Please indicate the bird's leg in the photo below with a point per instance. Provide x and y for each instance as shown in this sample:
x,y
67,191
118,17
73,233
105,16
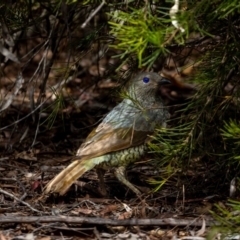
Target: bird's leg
x,y
120,174
100,173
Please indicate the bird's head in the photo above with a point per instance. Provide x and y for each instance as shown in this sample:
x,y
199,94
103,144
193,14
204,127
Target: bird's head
x,y
146,84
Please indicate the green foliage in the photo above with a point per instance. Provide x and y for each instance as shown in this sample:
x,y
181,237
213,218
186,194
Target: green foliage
x,y
147,32
232,131
228,218
197,132
138,30
227,8
169,146
173,143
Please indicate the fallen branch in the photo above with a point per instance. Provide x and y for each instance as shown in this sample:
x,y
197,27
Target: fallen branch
x,y
102,221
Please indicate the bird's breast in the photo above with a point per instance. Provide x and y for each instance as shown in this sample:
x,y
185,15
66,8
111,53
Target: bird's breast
x,y
123,157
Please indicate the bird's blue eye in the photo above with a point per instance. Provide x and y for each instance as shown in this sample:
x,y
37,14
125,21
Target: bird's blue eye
x,y
145,79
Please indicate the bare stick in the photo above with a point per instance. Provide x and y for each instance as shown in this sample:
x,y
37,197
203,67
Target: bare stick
x,y
113,222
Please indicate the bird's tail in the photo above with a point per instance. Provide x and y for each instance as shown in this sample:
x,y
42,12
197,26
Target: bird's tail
x,y
68,176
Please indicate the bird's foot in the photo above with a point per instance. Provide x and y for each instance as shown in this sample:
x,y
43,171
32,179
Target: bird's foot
x,y
120,175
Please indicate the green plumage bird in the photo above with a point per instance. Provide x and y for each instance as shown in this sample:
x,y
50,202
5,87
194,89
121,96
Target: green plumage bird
x,y
120,139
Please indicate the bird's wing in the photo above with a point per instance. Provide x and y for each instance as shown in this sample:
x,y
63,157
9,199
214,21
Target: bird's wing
x,y
108,139
125,126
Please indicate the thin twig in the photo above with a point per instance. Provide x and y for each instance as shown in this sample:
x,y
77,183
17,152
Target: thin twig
x,y
97,234
93,14
19,200
26,116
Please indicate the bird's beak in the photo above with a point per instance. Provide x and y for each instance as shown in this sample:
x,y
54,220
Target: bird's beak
x,y
164,81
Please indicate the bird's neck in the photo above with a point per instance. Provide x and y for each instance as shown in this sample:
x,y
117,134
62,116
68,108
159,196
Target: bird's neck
x,y
145,99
